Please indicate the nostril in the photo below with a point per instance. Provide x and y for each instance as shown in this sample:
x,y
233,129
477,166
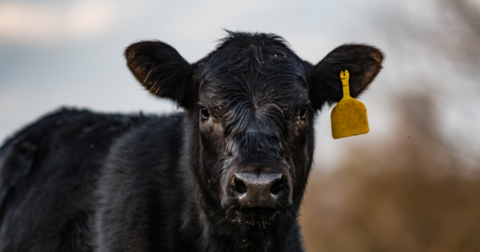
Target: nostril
x,y
277,187
240,187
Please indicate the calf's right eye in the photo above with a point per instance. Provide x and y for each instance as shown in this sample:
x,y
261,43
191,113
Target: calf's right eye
x,y
204,113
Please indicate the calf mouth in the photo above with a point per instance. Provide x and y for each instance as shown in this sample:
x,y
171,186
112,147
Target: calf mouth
x,y
261,217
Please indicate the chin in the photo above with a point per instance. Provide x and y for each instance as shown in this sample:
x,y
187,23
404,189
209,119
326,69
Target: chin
x,y
260,217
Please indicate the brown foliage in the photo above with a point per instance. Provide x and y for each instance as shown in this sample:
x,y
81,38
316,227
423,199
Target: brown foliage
x,y
412,193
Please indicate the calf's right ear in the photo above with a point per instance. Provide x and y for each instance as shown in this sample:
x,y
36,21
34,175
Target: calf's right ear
x,y
162,71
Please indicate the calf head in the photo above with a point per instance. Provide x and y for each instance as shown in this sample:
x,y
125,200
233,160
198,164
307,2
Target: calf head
x,y
251,104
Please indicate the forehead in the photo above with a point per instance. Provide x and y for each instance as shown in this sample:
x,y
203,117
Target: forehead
x,y
258,67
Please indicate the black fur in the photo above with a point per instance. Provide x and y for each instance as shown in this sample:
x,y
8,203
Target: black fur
x,y
80,181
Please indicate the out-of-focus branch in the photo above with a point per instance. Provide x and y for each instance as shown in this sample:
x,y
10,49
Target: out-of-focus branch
x,y
467,15
469,12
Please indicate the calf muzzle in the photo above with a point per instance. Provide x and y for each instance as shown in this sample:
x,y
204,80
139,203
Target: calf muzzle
x,y
258,191
258,188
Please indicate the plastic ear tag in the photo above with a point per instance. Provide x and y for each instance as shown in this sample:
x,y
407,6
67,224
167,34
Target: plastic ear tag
x,y
349,117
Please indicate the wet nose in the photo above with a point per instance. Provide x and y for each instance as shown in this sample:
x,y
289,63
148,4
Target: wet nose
x,y
263,190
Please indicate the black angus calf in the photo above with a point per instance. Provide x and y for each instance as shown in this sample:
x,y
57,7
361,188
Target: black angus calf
x,y
227,174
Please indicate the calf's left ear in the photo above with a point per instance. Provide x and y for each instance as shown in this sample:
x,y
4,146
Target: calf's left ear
x,y
362,61
162,71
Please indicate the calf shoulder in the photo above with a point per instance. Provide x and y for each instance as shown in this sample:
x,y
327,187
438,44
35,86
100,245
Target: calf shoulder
x,y
144,191
48,174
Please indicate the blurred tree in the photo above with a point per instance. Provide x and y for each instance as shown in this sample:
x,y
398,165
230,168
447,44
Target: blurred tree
x,y
415,192
408,195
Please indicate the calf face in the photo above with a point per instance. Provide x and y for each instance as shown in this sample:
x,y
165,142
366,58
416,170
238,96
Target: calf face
x,y
251,103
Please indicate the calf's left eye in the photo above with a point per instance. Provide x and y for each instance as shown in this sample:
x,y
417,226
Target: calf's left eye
x,y
205,114
303,113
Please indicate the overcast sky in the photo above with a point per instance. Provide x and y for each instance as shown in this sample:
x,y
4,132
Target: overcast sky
x,y
69,53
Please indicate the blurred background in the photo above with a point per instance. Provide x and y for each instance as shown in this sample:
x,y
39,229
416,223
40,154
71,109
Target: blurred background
x,y
411,184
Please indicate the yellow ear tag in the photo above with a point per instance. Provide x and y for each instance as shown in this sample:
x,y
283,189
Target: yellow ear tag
x,y
349,117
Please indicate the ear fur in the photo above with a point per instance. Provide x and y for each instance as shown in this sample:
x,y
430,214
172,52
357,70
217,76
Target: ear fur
x,y
362,61
161,70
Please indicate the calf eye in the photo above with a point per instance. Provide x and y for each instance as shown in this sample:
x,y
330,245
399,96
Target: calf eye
x,y
205,114
303,113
